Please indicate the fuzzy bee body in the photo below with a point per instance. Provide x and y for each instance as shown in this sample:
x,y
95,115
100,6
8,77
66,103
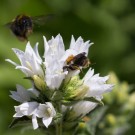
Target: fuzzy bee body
x,y
77,62
22,25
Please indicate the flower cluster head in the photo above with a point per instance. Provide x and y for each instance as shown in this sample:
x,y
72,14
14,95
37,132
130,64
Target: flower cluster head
x,y
58,93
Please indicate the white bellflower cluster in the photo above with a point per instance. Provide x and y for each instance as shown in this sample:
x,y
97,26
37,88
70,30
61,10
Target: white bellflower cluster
x,y
57,93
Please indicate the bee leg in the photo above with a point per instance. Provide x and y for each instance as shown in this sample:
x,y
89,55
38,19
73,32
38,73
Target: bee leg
x,y
81,70
65,68
74,67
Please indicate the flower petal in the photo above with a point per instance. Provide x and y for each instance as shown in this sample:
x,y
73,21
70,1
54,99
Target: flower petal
x,y
47,121
21,95
27,108
97,85
12,62
34,122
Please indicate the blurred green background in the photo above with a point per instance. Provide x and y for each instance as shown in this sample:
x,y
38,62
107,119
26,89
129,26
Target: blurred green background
x,y
110,24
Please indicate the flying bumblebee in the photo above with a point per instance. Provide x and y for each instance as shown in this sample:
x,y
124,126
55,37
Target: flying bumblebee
x,y
77,62
22,26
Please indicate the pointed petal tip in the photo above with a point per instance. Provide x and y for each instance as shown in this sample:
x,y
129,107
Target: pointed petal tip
x,y
14,50
10,61
59,35
37,44
92,43
14,115
10,95
80,39
44,37
28,43
92,70
45,40
7,60
72,38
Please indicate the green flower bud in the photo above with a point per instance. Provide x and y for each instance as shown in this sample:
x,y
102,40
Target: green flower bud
x,y
39,82
82,125
120,91
130,105
75,89
111,119
132,99
113,78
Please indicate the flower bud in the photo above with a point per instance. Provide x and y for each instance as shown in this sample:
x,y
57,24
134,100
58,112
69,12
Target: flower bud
x,y
111,119
75,89
39,83
82,125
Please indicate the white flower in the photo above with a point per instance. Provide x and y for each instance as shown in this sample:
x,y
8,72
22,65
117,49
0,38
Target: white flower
x,y
30,61
55,57
97,85
46,112
54,50
48,74
96,88
23,95
77,47
81,108
26,109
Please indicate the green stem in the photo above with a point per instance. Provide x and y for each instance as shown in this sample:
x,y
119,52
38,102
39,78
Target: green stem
x,y
59,124
61,127
57,129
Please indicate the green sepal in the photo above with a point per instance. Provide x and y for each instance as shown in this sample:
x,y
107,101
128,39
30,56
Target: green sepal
x,y
28,78
69,102
44,96
92,99
57,95
39,82
57,118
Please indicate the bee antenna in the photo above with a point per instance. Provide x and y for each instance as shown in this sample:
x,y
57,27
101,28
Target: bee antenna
x,y
93,64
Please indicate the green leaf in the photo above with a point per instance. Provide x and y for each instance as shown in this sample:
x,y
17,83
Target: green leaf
x,y
18,121
95,116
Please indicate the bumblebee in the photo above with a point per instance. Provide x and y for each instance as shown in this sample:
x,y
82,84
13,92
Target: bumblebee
x,y
77,62
22,25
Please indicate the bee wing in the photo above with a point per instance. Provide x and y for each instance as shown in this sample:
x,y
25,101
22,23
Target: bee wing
x,y
42,19
8,24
